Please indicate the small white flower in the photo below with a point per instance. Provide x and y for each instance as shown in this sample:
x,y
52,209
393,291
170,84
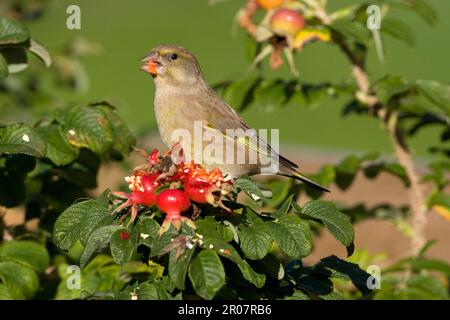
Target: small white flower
x,y
26,138
189,245
144,235
72,132
127,179
211,246
222,251
133,296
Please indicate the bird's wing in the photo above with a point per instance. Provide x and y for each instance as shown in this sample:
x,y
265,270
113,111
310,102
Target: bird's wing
x,y
221,117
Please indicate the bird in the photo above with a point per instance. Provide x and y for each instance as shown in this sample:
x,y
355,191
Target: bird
x,y
184,99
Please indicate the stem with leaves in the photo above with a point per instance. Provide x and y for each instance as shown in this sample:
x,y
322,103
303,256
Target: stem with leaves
x,y
402,152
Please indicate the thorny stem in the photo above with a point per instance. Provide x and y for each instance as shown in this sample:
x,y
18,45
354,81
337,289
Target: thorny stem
x,y
403,154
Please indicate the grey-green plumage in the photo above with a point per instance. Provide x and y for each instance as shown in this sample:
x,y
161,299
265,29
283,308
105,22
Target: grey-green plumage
x,y
183,96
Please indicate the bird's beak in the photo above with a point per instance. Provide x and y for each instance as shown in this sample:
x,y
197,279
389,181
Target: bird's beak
x,y
151,63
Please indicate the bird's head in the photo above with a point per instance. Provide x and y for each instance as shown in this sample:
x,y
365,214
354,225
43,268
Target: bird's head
x,y
172,65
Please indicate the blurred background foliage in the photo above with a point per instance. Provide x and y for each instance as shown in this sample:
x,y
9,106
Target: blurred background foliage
x,y
122,37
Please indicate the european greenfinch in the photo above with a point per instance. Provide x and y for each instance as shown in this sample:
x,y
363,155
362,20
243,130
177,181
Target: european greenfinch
x,y
186,104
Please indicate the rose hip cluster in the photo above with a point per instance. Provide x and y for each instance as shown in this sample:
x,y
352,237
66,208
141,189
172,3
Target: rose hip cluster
x,y
173,188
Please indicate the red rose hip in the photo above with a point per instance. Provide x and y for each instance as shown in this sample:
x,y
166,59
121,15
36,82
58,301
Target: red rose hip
x,y
286,22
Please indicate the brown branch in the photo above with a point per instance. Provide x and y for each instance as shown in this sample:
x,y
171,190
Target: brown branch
x,y
415,193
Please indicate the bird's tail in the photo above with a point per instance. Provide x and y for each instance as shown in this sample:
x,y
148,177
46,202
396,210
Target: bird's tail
x,y
292,173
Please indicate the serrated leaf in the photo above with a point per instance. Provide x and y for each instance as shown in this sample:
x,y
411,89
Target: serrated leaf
x,y
12,31
123,138
178,267
21,139
78,221
293,236
336,222
122,248
255,240
228,251
26,252
207,274
147,230
22,282
284,208
59,150
88,127
249,187
97,241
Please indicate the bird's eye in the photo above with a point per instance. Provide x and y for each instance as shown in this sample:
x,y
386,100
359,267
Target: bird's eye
x,y
173,56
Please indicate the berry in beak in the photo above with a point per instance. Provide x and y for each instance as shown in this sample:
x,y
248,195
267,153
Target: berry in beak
x,y
151,63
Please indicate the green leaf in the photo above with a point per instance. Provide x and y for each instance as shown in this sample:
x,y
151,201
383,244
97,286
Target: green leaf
x,y
333,266
272,267
59,150
352,30
16,58
284,208
226,250
178,267
207,274
12,31
255,240
3,67
249,187
391,86
21,139
22,281
336,222
398,29
437,93
238,93
97,241
147,230
122,249
123,138
431,264
270,95
78,221
420,7
40,51
88,127
4,293
152,291
297,295
26,252
292,235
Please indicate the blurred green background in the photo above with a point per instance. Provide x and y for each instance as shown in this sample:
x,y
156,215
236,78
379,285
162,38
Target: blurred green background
x,y
127,30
